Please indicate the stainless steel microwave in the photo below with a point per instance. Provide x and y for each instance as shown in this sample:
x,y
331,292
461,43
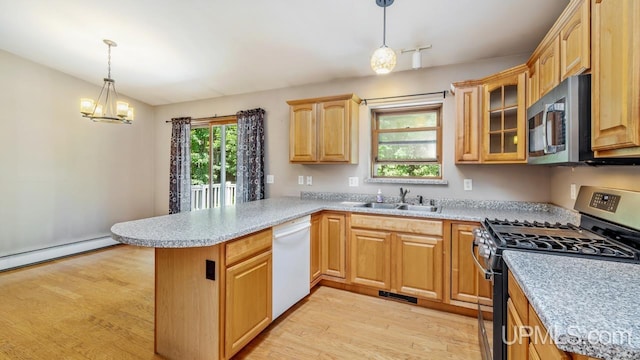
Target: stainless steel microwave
x,y
559,127
554,123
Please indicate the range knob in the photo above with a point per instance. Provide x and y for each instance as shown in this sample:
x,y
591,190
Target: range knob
x,y
484,251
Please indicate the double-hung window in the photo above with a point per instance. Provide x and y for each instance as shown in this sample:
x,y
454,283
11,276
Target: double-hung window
x,y
407,142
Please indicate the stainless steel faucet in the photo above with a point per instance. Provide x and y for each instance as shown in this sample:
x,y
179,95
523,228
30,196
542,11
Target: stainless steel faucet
x,y
403,194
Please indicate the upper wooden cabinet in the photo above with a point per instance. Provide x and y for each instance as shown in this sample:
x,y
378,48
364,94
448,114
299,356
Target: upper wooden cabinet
x,y
549,68
503,118
490,118
533,83
575,40
324,130
564,51
615,80
468,123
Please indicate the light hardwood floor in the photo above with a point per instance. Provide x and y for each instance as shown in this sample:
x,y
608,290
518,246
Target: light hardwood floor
x,y
99,305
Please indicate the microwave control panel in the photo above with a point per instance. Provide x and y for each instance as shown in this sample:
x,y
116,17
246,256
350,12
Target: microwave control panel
x,y
606,202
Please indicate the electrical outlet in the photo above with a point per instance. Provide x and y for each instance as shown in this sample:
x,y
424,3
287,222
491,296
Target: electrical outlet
x,y
270,179
353,181
468,184
573,192
309,180
300,180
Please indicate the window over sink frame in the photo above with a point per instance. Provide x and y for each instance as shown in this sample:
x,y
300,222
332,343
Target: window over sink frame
x,y
406,142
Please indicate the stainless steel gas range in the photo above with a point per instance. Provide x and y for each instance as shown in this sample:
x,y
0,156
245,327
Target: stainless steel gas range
x,y
609,230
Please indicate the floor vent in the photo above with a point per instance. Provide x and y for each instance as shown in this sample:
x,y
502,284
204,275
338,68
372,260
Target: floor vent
x,y
393,296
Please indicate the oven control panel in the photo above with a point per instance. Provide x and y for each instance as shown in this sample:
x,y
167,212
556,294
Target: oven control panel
x,y
606,202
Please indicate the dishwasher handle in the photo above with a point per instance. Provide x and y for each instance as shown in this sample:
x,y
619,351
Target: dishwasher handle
x,y
289,230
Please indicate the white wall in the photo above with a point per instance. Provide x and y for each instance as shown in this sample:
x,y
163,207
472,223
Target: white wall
x,y
620,177
64,178
506,182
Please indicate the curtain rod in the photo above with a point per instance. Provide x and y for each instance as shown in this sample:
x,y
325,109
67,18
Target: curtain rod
x,y
207,118
443,92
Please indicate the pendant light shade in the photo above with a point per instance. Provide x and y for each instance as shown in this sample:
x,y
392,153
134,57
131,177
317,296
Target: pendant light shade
x,y
383,59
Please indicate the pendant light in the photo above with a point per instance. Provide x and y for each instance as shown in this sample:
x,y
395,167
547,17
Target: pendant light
x,y
383,59
107,108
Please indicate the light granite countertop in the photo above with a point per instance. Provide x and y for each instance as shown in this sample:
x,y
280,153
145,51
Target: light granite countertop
x,y
214,226
590,307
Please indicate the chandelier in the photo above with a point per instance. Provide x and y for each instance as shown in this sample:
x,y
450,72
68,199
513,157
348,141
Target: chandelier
x,y
383,59
107,108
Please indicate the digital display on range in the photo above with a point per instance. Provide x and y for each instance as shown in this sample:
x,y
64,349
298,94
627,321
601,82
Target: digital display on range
x,y
606,202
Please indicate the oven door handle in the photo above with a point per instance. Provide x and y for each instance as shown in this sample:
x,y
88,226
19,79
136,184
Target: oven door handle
x,y
488,274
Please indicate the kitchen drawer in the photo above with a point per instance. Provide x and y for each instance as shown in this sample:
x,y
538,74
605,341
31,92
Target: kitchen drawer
x,y
518,298
399,224
247,246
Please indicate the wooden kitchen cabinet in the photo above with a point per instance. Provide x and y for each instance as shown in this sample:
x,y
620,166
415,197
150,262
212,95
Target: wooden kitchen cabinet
x,y
315,261
490,118
575,40
371,258
248,301
533,83
302,133
468,285
333,238
549,68
615,79
324,130
468,121
517,345
504,136
248,290
419,266
399,254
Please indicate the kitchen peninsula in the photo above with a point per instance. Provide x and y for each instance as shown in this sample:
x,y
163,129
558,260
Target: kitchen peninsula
x,y
212,264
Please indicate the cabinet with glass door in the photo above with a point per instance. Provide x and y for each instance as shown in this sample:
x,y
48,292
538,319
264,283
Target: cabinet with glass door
x,y
504,117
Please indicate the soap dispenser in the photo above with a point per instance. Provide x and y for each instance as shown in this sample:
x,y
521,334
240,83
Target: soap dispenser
x,y
379,196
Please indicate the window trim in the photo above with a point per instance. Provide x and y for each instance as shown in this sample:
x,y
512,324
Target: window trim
x,y
376,112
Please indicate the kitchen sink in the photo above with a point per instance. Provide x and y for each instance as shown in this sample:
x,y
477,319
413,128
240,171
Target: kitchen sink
x,y
379,205
408,207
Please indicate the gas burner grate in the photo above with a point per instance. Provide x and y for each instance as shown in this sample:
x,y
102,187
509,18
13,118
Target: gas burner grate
x,y
557,238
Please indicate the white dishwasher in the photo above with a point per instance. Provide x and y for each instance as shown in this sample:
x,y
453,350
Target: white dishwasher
x,y
291,258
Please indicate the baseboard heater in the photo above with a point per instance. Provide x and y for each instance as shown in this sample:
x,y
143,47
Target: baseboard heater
x,y
394,296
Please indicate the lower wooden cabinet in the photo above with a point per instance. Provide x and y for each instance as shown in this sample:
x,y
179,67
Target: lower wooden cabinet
x,y
315,261
408,263
371,258
467,283
419,266
333,235
247,301
248,288
517,345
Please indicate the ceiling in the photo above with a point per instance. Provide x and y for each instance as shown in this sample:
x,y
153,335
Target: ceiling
x,y
174,51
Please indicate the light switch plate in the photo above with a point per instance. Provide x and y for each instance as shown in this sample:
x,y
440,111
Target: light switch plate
x,y
353,181
270,179
468,184
300,180
309,180
573,192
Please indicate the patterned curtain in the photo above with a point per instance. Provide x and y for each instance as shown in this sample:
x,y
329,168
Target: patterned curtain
x,y
180,166
250,162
